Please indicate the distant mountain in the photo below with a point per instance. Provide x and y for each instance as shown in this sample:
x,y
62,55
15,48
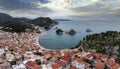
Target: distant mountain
x,y
44,22
62,20
5,17
23,19
40,21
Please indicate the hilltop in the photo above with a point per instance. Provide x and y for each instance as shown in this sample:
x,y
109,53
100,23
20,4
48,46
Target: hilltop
x,y
45,22
5,17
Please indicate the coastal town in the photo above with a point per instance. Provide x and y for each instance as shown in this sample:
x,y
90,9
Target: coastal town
x,y
23,51
59,34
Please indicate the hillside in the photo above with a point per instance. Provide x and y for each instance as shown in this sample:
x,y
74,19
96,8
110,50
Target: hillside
x,y
16,26
106,42
5,17
23,19
40,21
43,22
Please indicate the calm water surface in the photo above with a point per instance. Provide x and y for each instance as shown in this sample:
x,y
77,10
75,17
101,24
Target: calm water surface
x,y
52,41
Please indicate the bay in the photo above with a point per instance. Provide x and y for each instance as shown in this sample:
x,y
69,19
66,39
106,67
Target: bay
x,y
53,41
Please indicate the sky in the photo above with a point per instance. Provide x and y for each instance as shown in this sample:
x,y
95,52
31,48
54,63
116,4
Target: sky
x,y
74,9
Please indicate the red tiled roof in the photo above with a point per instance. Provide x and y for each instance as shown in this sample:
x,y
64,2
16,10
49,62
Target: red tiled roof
x,y
97,55
65,58
116,66
11,47
1,38
79,60
56,66
30,63
73,68
33,65
86,65
36,66
99,65
60,62
104,56
88,56
2,45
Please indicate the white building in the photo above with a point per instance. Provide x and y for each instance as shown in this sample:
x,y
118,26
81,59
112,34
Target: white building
x,y
78,65
10,57
2,51
20,66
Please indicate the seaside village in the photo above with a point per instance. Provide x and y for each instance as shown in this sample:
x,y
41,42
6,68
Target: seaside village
x,y
23,51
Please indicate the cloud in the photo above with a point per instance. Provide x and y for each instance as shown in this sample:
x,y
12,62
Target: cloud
x,y
41,12
15,4
44,1
98,7
21,4
25,8
75,3
60,8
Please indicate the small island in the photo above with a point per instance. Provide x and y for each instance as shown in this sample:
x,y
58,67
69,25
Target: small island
x,y
88,30
72,32
59,31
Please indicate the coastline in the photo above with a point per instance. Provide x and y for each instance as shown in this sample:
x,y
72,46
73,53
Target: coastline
x,y
37,42
36,37
43,48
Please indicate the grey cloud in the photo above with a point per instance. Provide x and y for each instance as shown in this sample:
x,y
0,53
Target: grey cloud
x,y
44,1
101,6
20,4
113,15
24,7
15,4
43,11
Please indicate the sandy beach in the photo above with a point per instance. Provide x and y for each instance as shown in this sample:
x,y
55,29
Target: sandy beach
x,y
36,37
37,41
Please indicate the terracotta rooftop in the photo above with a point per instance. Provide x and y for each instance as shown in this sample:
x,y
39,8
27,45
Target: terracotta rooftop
x,y
36,66
11,47
56,66
116,66
104,56
65,58
99,65
79,60
60,62
97,55
73,68
30,63
88,56
2,45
